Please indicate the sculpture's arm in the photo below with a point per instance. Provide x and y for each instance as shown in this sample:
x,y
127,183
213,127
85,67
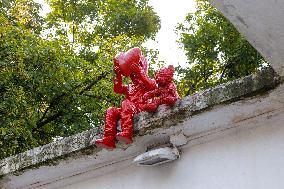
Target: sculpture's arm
x,y
151,94
149,84
118,87
171,96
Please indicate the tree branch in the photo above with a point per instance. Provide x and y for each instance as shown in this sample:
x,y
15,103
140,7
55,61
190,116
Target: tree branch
x,y
52,103
100,77
192,86
97,97
49,119
223,72
45,120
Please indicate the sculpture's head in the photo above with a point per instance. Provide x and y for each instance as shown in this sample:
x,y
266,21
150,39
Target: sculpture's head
x,y
132,56
164,76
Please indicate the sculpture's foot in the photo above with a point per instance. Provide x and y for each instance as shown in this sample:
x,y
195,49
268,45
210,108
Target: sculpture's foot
x,y
124,137
106,142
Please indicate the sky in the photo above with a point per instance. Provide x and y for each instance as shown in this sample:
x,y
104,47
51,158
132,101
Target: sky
x,y
171,13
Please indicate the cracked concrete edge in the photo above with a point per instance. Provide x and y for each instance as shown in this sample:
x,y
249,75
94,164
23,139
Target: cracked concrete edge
x,y
144,123
251,85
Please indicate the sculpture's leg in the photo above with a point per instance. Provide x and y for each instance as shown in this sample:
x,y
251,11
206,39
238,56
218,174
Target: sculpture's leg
x,y
127,113
111,117
169,101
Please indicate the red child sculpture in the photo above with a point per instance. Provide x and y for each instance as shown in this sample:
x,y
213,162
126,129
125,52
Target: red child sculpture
x,y
166,92
134,65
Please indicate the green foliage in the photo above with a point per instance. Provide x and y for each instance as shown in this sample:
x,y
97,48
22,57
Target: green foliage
x,y
23,12
38,79
216,51
56,87
86,21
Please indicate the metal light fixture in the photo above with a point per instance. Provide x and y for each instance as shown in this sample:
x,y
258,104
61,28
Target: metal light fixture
x,y
157,156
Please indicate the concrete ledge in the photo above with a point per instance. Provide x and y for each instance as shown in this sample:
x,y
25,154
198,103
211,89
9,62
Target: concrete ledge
x,y
54,159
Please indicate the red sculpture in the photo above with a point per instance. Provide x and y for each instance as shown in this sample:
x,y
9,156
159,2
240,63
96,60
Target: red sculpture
x,y
166,92
141,95
134,65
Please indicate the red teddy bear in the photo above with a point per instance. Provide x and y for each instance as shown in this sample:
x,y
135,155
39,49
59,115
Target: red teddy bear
x,y
166,92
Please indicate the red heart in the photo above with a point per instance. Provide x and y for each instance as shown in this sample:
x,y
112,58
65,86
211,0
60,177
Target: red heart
x,y
125,60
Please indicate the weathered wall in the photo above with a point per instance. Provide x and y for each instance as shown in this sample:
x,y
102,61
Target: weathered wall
x,y
261,22
250,159
252,102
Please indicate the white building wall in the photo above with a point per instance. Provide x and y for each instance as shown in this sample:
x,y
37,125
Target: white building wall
x,y
250,159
